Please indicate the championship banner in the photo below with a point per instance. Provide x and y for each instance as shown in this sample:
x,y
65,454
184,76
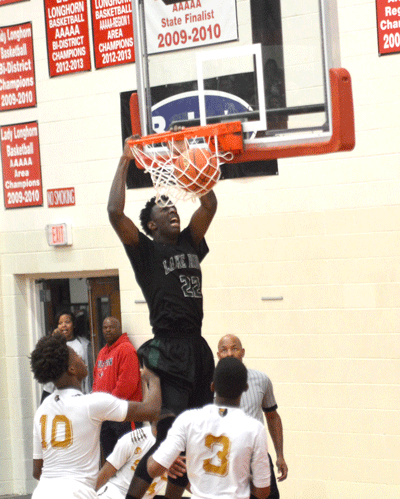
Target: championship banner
x,y
388,24
22,177
112,32
67,36
194,23
17,72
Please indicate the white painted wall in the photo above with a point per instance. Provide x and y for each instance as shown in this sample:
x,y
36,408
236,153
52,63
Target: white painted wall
x,y
323,234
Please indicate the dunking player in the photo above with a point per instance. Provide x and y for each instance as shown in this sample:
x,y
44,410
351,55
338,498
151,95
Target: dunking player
x,y
66,447
226,450
167,268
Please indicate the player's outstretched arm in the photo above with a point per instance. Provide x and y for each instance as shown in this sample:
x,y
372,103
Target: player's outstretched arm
x,y
106,472
123,226
149,409
202,217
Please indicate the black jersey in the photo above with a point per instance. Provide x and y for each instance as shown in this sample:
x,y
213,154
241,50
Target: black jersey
x,y
170,278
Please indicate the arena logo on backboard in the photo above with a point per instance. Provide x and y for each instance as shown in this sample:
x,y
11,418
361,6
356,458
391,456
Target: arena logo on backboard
x,y
185,106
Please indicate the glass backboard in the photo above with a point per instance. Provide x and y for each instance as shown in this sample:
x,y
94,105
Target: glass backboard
x,y
264,63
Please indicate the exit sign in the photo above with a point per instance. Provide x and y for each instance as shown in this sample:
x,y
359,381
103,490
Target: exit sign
x,y
59,234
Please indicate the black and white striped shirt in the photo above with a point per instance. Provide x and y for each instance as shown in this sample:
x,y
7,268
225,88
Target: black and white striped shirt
x,y
259,397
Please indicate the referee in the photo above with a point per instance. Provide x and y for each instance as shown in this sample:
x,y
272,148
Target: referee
x,y
259,399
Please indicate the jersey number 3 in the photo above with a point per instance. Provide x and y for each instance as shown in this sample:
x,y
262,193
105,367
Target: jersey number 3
x,y
222,467
57,421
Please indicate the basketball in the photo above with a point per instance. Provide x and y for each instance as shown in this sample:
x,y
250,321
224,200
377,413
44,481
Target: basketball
x,y
197,171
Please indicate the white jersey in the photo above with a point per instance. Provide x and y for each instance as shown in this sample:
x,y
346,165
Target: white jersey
x,y
125,457
259,396
63,488
66,433
224,447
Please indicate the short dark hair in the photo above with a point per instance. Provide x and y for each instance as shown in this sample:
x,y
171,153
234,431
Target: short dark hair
x,y
145,214
65,311
230,378
50,358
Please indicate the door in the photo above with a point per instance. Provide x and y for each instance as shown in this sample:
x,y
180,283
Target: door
x,y
104,301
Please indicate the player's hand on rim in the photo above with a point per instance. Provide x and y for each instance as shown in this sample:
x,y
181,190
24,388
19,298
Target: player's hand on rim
x,y
127,150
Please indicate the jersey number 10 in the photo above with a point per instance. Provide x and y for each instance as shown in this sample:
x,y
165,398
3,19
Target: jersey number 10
x,y
57,421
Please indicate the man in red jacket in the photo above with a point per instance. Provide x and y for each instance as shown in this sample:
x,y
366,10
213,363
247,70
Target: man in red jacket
x,y
116,371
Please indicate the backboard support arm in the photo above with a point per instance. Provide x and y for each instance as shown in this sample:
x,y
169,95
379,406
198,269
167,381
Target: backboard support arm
x,y
142,71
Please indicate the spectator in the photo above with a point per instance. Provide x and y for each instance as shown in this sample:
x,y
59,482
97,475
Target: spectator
x,y
65,323
257,399
117,372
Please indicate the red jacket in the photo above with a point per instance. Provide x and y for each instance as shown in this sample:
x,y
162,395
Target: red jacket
x,y
117,370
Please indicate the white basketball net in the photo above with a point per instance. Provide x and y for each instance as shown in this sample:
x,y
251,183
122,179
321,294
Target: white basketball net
x,y
169,173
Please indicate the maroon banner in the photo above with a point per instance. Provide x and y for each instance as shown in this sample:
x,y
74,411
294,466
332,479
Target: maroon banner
x,y
112,32
67,36
17,71
22,177
388,21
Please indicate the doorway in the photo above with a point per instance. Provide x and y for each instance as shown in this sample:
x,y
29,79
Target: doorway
x,y
90,299
104,301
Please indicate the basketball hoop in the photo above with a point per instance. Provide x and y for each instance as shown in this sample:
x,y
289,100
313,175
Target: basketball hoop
x,y
189,166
